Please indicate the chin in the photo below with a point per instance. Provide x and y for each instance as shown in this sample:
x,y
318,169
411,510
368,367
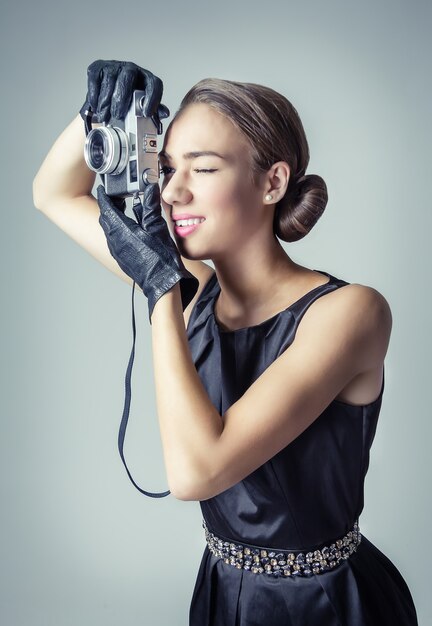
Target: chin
x,y
188,252
194,256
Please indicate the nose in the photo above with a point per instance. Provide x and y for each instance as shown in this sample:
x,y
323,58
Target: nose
x,y
175,190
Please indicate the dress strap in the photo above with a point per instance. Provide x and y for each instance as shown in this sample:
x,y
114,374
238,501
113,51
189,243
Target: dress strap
x,y
300,307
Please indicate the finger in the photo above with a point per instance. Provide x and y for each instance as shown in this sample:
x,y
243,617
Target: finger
x,y
111,213
108,83
108,204
119,203
138,209
163,112
103,200
151,197
152,209
106,227
94,79
122,94
153,93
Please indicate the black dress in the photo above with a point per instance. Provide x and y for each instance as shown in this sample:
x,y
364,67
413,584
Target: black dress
x,y
307,496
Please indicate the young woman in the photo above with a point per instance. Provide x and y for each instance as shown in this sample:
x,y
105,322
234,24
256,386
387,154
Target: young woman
x,y
269,375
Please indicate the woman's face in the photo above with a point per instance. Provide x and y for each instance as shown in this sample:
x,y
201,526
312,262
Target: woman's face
x,y
207,177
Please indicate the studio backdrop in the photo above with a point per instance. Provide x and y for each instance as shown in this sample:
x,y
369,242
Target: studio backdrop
x,y
80,546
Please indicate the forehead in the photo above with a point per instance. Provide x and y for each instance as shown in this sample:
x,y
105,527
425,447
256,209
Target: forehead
x,y
201,128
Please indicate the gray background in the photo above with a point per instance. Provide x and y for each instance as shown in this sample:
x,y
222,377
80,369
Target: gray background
x,y
79,545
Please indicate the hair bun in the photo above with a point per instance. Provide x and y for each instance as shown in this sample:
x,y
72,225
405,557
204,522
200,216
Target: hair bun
x,y
300,208
274,131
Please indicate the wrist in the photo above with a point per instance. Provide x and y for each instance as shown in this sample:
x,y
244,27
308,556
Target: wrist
x,y
168,306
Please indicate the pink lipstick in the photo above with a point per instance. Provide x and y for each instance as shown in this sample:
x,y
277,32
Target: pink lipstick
x,y
185,224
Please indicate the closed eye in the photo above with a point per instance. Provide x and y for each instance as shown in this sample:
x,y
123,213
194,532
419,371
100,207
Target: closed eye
x,y
166,170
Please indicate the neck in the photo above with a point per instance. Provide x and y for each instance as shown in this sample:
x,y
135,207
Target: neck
x,y
250,279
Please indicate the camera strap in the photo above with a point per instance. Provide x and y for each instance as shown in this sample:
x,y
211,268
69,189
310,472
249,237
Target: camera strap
x,y
126,408
88,114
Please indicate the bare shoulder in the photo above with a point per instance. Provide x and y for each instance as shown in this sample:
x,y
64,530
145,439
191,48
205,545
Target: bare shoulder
x,y
367,299
358,314
353,302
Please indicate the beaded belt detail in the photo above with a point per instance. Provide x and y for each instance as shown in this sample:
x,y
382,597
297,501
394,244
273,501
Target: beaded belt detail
x,y
282,563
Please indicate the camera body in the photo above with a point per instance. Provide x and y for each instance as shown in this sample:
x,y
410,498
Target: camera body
x,y
124,152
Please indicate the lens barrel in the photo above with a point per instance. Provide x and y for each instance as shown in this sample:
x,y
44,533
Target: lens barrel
x,y
106,150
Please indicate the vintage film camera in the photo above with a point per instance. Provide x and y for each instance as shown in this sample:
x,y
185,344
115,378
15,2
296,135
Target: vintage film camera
x,y
124,152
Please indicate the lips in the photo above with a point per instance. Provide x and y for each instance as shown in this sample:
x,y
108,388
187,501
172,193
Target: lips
x,y
186,219
185,223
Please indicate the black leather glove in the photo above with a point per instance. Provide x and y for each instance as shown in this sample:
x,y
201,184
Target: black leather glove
x,y
145,249
110,85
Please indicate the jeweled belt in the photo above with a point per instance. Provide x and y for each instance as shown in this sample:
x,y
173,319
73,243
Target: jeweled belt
x,y
261,560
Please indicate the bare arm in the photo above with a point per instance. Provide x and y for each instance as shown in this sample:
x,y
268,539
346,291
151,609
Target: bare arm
x,y
342,335
62,191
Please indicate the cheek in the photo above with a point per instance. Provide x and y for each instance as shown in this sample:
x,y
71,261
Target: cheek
x,y
166,212
228,194
242,205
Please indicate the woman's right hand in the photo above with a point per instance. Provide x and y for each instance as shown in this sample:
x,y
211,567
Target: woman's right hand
x,y
110,85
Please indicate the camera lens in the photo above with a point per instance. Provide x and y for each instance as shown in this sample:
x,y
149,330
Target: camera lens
x,y
106,150
98,150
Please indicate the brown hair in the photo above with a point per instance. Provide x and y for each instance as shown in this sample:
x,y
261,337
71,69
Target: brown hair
x,y
275,133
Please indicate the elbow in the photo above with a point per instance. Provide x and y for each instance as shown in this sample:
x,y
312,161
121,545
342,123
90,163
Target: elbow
x,y
38,196
185,490
42,192
181,493
191,488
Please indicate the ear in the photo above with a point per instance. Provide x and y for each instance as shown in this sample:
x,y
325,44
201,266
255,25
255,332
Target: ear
x,y
276,182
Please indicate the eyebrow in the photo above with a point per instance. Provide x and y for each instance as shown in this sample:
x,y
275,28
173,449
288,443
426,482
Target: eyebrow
x,y
193,155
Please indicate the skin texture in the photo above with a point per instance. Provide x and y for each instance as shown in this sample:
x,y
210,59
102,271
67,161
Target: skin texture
x,y
341,341
62,191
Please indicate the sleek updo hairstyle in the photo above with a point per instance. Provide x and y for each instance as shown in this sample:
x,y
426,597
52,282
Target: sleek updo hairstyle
x,y
274,131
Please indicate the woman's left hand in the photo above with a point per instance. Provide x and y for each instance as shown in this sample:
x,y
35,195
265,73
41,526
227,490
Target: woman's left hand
x,y
145,249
